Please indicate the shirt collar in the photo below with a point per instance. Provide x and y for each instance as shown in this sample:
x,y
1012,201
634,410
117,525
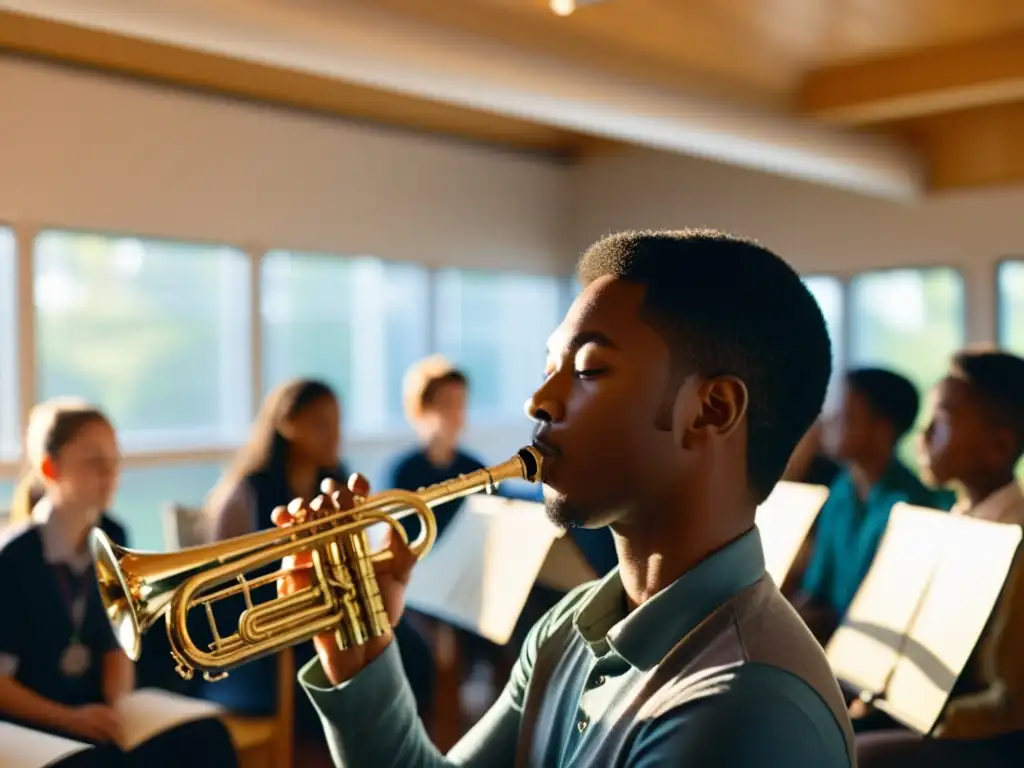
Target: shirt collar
x,y
1004,506
646,635
59,535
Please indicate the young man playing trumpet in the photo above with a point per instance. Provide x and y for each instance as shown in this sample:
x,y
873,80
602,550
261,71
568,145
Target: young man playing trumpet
x,y
676,389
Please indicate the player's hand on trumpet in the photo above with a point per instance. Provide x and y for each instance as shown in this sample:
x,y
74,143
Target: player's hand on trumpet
x,y
392,576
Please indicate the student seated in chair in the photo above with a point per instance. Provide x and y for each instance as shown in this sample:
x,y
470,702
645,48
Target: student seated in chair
x,y
878,408
61,669
974,439
435,396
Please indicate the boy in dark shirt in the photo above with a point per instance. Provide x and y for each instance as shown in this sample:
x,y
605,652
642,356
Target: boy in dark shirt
x,y
435,394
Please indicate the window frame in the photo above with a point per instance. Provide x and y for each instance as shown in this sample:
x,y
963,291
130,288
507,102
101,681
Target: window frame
x,y
388,432
998,308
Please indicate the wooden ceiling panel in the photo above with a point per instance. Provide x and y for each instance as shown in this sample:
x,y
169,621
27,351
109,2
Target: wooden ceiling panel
x,y
970,148
940,74
740,49
927,81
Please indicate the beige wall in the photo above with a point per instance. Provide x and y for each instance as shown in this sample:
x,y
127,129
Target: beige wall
x,y
82,150
817,229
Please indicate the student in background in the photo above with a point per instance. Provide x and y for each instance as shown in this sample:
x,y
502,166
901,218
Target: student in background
x,y
974,439
435,396
809,462
61,669
878,408
294,446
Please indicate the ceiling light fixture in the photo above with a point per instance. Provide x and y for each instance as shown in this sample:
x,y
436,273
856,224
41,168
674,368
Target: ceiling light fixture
x,y
562,7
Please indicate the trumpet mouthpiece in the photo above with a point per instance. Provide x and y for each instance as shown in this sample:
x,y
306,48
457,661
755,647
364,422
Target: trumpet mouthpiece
x,y
533,464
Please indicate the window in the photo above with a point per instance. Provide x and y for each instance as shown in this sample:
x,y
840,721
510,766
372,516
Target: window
x,y
143,492
155,332
828,291
6,495
357,323
1011,306
494,325
10,430
910,321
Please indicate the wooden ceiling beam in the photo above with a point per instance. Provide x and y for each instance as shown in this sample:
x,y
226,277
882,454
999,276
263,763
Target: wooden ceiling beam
x,y
971,148
234,78
928,81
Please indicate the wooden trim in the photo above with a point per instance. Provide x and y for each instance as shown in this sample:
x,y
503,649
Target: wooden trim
x,y
151,61
973,148
938,79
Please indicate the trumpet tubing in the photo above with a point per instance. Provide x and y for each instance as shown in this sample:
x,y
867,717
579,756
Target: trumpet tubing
x,y
138,588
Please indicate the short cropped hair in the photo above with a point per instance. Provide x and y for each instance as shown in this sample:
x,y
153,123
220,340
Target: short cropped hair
x,y
998,379
422,382
728,306
891,396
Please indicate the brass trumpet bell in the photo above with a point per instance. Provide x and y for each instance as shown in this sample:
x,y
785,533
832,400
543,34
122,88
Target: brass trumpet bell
x,y
137,588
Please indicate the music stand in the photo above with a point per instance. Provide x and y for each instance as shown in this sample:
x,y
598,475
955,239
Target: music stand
x,y
480,573
921,610
784,520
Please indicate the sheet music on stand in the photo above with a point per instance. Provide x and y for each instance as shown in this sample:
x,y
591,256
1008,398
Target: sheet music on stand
x,y
784,521
920,612
480,572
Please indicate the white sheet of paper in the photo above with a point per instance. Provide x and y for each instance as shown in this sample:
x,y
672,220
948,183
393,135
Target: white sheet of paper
x,y
784,519
976,558
865,649
26,748
148,712
480,572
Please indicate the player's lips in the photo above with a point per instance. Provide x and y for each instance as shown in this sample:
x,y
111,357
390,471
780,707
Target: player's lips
x,y
548,450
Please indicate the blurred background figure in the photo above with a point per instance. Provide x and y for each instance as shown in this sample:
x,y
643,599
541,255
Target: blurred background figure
x,y
61,669
295,445
809,463
435,397
877,409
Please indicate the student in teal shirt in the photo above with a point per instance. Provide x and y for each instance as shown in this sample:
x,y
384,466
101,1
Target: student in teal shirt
x,y
879,407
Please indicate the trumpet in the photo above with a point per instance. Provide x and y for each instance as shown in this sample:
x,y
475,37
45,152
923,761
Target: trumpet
x,y
137,588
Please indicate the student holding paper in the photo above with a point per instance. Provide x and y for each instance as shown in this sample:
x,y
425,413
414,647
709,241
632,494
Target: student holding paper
x,y
975,438
676,389
61,669
878,408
